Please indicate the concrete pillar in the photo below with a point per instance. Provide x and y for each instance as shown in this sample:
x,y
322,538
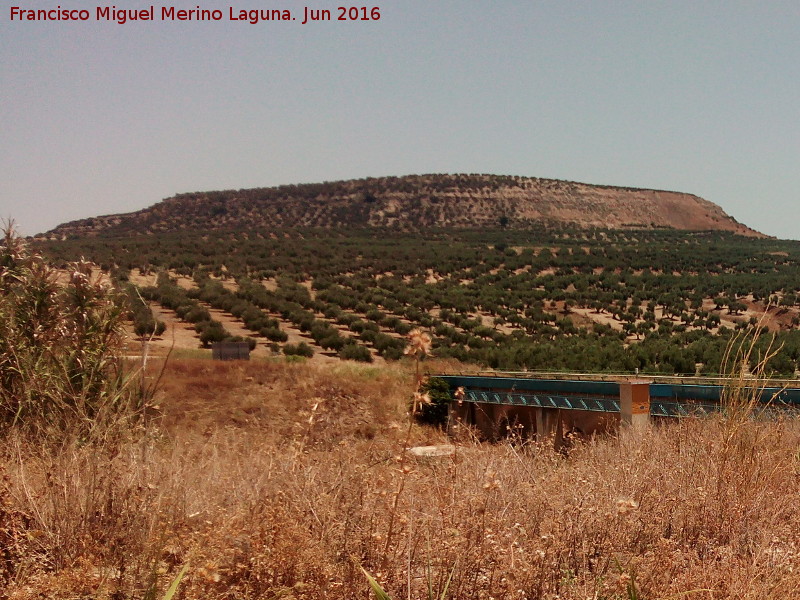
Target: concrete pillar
x,y
500,422
524,421
540,425
558,438
549,426
634,402
484,420
457,416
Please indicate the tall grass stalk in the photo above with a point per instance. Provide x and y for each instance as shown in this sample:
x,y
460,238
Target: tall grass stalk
x,y
419,346
745,361
173,588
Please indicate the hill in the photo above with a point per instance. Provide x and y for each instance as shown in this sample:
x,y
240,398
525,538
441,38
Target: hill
x,y
415,202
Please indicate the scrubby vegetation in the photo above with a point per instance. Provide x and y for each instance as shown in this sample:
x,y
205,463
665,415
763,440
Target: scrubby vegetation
x,y
60,342
280,480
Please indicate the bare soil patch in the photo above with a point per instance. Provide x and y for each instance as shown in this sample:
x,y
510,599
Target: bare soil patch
x,y
602,318
178,334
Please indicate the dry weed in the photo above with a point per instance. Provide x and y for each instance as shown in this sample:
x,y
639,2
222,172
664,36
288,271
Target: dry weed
x,y
280,481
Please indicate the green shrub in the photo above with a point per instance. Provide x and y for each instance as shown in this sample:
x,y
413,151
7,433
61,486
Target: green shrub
x,y
435,413
210,332
274,334
355,352
375,315
368,335
60,346
251,342
332,341
144,323
393,353
357,326
301,349
149,327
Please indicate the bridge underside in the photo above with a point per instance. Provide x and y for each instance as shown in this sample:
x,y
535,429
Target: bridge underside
x,y
499,407
494,421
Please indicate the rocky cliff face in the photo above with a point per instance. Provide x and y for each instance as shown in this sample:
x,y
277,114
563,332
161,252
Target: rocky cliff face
x,y
416,202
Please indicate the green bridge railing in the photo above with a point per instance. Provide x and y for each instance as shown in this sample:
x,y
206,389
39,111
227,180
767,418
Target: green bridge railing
x,y
666,399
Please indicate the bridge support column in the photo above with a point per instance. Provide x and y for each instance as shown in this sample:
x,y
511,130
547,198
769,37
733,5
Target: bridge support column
x,y
548,426
540,425
486,420
634,403
457,416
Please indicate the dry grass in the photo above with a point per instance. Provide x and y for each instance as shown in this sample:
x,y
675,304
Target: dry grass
x,y
276,480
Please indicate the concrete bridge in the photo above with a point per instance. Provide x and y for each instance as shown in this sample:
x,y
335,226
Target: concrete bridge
x,y
546,407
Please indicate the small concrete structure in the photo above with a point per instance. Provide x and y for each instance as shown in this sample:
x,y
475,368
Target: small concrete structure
x,y
549,425
634,403
432,452
230,351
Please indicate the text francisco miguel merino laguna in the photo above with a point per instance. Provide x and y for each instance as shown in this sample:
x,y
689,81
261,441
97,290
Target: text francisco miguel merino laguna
x,y
165,13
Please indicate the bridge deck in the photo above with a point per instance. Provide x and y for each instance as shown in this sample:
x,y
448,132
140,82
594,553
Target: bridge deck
x,y
666,399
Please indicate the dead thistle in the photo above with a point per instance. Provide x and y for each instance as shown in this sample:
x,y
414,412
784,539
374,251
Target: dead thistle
x,y
419,346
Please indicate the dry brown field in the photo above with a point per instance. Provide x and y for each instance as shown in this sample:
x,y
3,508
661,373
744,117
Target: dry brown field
x,y
281,480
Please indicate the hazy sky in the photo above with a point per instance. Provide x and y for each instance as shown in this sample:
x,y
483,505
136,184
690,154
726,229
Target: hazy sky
x,y
700,97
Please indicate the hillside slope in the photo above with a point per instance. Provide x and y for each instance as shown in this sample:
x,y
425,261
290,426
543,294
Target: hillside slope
x,y
418,201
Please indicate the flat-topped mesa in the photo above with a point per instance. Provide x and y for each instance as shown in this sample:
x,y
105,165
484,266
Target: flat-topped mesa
x,y
418,202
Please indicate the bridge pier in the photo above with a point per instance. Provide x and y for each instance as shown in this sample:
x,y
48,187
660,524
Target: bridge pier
x,y
458,415
549,426
548,423
498,421
634,403
485,420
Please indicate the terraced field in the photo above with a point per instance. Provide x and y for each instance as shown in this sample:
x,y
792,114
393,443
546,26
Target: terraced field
x,y
659,301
